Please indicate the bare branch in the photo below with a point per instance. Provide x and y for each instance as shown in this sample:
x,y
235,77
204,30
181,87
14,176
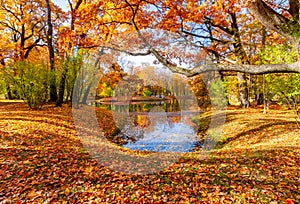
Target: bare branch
x,y
11,12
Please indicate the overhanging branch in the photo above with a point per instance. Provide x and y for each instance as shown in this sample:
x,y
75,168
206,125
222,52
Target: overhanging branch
x,y
244,68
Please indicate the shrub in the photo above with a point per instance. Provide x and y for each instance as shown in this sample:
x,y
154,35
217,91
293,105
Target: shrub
x,y
30,81
147,92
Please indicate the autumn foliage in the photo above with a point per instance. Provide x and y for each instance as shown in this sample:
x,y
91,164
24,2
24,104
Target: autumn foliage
x,y
42,160
244,52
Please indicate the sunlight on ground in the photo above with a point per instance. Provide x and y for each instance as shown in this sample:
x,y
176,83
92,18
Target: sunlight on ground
x,y
43,160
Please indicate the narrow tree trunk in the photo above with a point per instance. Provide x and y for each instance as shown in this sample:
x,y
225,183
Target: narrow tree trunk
x,y
259,90
260,99
61,91
9,95
266,100
76,95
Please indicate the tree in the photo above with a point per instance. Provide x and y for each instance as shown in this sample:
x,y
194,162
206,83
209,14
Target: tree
x,y
216,27
22,26
110,80
271,19
282,87
23,30
31,83
53,91
176,32
135,16
68,50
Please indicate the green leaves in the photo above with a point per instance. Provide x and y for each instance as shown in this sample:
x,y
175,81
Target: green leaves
x,y
279,53
30,81
285,88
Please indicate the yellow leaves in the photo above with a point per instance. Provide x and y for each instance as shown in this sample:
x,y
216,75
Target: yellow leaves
x,y
173,29
31,193
191,5
88,170
203,194
63,28
67,191
219,4
60,172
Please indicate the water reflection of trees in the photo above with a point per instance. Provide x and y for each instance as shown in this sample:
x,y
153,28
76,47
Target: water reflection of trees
x,y
144,121
139,112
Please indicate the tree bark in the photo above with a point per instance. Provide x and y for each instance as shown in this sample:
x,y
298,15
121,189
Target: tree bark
x,y
231,66
259,98
61,91
289,28
53,91
242,89
86,93
260,79
241,54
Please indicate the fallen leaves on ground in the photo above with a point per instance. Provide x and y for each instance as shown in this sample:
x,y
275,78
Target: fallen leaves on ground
x,y
43,161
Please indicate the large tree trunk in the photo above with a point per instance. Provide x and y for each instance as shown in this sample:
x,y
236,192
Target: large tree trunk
x,y
272,20
53,91
241,54
86,93
243,90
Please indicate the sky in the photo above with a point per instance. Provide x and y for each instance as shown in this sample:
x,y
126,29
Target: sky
x,y
63,4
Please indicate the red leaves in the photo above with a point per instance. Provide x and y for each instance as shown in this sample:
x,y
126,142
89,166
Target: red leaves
x,y
289,201
42,161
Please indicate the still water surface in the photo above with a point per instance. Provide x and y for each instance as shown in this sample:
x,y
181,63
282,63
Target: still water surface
x,y
164,126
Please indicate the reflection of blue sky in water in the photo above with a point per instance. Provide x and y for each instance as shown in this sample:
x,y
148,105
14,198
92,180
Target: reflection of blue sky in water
x,y
177,137
159,130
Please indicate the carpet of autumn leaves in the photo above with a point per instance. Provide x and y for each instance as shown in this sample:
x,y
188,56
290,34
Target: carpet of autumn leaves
x,y
42,161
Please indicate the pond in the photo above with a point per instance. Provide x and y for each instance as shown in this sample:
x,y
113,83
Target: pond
x,y
159,126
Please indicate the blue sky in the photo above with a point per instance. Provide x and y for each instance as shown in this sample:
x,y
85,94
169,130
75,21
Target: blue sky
x,y
61,3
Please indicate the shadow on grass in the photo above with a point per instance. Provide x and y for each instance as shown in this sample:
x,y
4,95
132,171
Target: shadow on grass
x,y
258,130
43,166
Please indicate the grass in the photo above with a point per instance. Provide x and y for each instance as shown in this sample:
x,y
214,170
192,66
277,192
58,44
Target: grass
x,y
42,160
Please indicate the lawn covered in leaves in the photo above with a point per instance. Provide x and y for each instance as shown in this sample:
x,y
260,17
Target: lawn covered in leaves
x,y
42,161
